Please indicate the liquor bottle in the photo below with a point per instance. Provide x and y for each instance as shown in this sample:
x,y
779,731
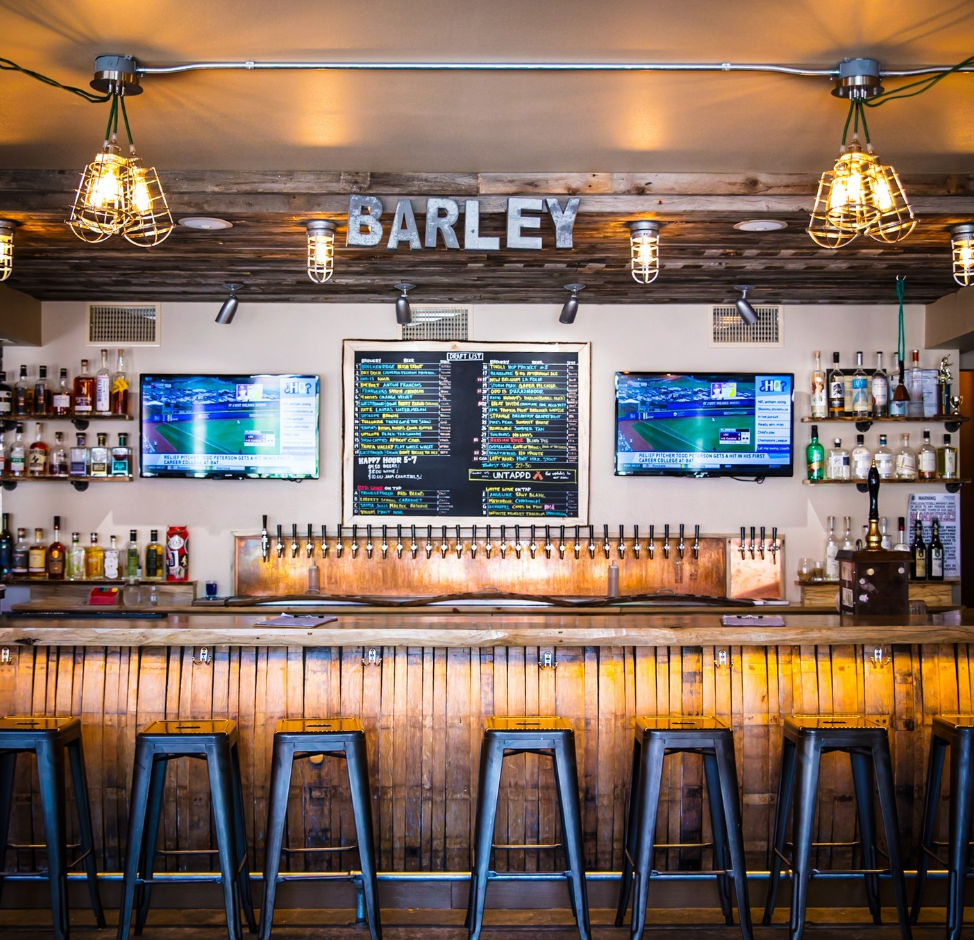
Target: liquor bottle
x,y
98,461
37,556
815,457
880,389
94,559
42,393
836,389
58,466
948,465
103,387
120,387
862,460
4,455
839,467
18,453
6,547
78,462
20,555
155,556
860,390
901,543
76,559
847,544
56,554
23,395
820,401
915,408
926,459
121,465
899,399
884,460
133,568
906,460
62,399
112,560
918,562
6,397
37,457
885,542
84,391
831,553
935,553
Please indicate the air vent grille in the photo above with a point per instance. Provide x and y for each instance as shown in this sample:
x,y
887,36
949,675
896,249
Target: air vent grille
x,y
438,323
728,329
123,324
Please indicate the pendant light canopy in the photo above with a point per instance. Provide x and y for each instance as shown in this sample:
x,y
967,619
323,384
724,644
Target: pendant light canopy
x,y
321,250
644,250
569,311
962,251
404,315
6,248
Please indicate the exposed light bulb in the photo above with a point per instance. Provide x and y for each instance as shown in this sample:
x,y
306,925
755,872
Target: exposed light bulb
x,y
962,250
321,250
644,250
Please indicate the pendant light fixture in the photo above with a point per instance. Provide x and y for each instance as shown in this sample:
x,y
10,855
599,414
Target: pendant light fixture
x,y
404,315
748,314
570,310
321,250
962,251
229,308
644,250
6,248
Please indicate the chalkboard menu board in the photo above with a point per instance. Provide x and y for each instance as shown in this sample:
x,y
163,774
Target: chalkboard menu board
x,y
448,432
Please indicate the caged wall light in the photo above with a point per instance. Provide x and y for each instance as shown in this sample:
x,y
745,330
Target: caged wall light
x,y
321,250
644,250
962,252
6,248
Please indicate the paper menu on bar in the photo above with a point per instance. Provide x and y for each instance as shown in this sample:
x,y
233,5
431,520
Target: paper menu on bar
x,y
945,508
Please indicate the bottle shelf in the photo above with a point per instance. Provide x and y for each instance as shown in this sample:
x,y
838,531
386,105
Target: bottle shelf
x,y
81,422
952,486
108,582
951,422
79,483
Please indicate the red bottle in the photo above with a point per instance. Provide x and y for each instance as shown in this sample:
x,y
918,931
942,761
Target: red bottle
x,y
177,553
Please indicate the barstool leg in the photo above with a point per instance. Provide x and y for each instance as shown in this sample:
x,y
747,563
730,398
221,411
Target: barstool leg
x,y
8,765
785,785
862,778
887,803
490,779
281,768
730,797
50,767
220,767
808,755
625,885
935,773
150,841
76,756
566,780
138,805
358,777
961,812
651,773
240,838
719,826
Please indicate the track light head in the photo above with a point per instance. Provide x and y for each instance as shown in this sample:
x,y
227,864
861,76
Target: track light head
x,y
404,315
570,309
229,308
748,313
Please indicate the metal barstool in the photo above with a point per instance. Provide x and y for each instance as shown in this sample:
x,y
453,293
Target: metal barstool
x,y
296,739
655,738
806,738
47,739
551,737
214,741
956,733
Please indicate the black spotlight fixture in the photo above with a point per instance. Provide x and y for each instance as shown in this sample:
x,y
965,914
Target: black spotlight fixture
x,y
230,305
403,314
571,305
748,313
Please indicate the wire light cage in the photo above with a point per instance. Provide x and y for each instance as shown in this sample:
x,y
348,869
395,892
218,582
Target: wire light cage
x,y
149,220
444,323
728,329
962,253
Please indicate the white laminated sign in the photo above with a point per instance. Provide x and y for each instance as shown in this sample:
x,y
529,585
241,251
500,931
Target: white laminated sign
x,y
945,508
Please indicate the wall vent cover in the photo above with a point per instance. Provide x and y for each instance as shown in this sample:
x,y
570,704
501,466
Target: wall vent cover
x,y
728,329
438,323
123,324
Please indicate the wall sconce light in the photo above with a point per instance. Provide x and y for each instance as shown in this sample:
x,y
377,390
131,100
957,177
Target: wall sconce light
x,y
321,250
570,309
229,308
962,251
644,250
6,248
748,313
404,315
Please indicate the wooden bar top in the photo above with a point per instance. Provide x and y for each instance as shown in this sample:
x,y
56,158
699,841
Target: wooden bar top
x,y
610,627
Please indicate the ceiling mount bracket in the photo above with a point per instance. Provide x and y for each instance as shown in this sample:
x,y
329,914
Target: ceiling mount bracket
x,y
117,73
858,78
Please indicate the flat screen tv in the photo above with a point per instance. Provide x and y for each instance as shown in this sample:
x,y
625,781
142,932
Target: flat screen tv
x,y
704,424
229,426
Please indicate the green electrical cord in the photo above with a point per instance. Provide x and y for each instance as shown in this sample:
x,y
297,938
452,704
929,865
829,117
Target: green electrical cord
x,y
901,337
924,84
8,65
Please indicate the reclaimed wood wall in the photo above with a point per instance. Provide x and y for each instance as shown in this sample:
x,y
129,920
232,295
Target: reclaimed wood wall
x,y
423,710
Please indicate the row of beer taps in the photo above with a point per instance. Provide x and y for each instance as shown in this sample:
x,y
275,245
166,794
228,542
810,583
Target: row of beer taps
x,y
758,548
563,545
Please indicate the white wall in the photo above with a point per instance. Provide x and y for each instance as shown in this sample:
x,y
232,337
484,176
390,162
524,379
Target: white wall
x,y
307,338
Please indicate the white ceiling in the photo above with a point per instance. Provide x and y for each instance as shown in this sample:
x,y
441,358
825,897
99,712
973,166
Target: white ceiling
x,y
522,122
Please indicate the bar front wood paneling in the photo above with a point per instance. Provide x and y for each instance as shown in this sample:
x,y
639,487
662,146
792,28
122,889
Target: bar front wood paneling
x,y
423,710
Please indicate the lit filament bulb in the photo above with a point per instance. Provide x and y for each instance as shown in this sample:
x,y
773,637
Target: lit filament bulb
x,y
882,195
106,188
140,197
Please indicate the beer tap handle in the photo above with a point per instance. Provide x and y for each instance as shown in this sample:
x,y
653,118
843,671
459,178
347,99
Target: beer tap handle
x,y
413,544
488,545
429,541
741,546
339,544
473,541
369,547
444,544
666,540
265,543
280,541
459,544
774,545
399,545
518,547
681,545
651,544
533,545
324,541
309,546
547,541
606,547
622,541
384,544
561,543
294,540
591,541
503,541
577,546
696,542
636,547
354,540
761,544
751,546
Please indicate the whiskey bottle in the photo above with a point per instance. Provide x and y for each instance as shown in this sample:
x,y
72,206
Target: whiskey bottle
x,y
76,559
84,391
880,389
860,390
23,395
59,457
56,554
906,460
820,402
37,457
78,458
37,556
99,457
94,559
926,459
62,399
18,453
948,466
42,393
20,555
154,558
103,387
120,387
112,558
6,397
935,553
6,547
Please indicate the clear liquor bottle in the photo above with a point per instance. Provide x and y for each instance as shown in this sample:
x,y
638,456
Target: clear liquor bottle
x,y
820,401
839,467
862,459
37,556
23,394
6,397
906,460
94,559
18,453
84,391
59,457
103,387
62,399
948,464
885,464
99,459
20,556
42,393
76,559
78,458
860,390
120,387
927,459
879,387
885,541
4,455
56,559
901,543
915,407
37,456
899,399
831,553
112,560
847,544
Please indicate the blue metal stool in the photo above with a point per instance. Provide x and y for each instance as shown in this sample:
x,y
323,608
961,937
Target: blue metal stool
x,y
655,738
955,732
214,741
342,738
551,737
48,739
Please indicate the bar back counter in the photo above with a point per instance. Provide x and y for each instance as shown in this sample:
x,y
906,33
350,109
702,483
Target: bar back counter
x,y
423,682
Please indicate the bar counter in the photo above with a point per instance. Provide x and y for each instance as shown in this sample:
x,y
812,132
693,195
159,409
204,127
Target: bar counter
x,y
436,674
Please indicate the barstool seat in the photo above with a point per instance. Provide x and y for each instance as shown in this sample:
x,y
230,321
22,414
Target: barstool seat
x,y
806,738
296,739
656,737
48,739
552,737
214,741
956,733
